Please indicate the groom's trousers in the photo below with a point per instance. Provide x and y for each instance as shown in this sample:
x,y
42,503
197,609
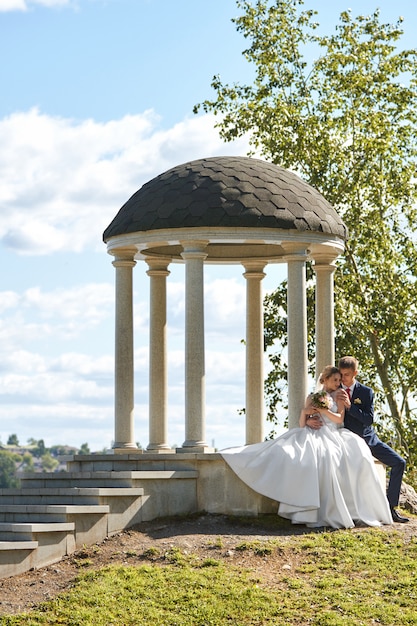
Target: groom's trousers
x,y
391,459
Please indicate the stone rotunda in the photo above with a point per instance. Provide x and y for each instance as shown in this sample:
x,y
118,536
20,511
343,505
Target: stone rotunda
x,y
220,210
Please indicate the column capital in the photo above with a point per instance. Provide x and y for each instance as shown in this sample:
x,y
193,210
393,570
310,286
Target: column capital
x,y
194,249
296,257
254,268
295,251
158,266
124,257
323,254
324,258
323,267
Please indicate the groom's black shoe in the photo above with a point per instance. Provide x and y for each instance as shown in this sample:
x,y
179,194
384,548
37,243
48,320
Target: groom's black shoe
x,y
396,517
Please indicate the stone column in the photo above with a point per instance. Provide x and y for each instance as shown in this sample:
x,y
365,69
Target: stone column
x,y
158,385
254,408
297,335
194,254
124,385
325,354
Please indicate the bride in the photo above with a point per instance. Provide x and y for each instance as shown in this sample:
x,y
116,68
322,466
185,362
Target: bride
x,y
320,473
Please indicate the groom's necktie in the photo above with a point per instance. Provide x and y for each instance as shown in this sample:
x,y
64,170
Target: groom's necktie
x,y
348,392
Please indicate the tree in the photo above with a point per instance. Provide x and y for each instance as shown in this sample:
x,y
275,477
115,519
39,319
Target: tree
x,y
26,464
40,449
85,449
346,121
13,440
8,470
49,463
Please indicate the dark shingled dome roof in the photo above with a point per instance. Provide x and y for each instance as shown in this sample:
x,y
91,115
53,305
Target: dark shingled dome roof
x,y
227,192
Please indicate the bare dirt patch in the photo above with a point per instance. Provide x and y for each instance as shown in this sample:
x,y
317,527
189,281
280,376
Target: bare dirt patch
x,y
206,536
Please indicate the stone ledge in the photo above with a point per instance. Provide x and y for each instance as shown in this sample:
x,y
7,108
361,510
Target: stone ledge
x,y
36,527
163,474
112,474
18,545
74,491
55,508
149,456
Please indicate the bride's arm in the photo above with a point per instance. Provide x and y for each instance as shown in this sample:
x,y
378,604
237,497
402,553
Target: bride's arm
x,y
306,416
341,406
337,418
305,413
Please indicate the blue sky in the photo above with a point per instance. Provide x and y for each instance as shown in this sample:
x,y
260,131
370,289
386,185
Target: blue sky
x,y
96,99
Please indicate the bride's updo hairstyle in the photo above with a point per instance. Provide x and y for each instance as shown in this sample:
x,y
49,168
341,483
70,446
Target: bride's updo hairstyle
x,y
328,371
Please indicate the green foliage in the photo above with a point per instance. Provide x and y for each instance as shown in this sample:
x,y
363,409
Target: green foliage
x,y
39,449
358,577
26,464
13,440
28,459
8,470
49,463
346,121
84,449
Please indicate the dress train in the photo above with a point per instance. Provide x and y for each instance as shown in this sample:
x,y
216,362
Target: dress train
x,y
324,477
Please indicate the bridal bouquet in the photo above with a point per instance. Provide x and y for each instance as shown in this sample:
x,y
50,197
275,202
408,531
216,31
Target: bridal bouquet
x,y
321,400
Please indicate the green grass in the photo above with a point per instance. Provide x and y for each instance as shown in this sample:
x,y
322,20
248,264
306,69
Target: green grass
x,y
350,578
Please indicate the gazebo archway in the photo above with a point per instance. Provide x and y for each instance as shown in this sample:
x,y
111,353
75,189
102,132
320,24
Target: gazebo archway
x,y
220,210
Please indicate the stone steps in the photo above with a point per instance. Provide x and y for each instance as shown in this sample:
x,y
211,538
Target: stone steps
x,y
18,545
69,495
40,513
28,545
101,478
88,524
53,514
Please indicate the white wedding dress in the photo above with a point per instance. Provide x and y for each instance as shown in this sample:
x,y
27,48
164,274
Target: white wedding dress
x,y
324,477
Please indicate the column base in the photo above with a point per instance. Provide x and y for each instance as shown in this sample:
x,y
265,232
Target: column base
x,y
166,450
195,450
120,448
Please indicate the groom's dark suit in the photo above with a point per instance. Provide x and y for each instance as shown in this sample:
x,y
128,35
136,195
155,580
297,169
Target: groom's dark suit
x,y
359,419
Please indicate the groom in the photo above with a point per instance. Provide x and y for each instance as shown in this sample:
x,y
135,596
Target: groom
x,y
359,416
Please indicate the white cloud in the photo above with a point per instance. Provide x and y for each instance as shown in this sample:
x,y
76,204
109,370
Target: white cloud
x,y
24,5
51,3
225,308
84,304
47,388
37,315
22,360
12,5
226,370
8,300
63,181
84,365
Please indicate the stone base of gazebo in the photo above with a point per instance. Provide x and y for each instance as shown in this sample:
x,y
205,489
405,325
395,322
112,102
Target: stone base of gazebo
x,y
179,483
54,514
